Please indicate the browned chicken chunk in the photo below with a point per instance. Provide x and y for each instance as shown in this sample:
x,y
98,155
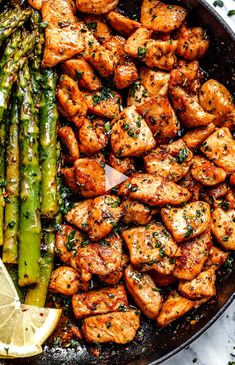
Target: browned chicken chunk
x,y
160,54
125,75
187,222
92,136
193,43
220,148
115,276
193,256
80,70
105,103
223,227
78,216
161,17
99,301
65,280
206,172
216,258
63,38
136,212
142,288
90,177
164,266
130,134
122,24
117,327
70,179
96,6
137,94
193,186
136,44
155,82
68,137
173,308
195,137
36,4
203,285
68,240
100,29
123,165
154,190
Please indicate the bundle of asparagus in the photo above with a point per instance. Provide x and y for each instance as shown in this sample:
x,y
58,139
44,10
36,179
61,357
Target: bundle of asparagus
x,y
28,158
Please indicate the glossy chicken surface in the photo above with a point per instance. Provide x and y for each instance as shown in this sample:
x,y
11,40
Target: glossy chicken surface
x,y
132,95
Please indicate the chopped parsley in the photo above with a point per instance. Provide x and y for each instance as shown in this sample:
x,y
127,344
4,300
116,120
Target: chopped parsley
x,y
231,12
189,231
142,52
219,3
183,154
71,241
92,26
132,187
105,94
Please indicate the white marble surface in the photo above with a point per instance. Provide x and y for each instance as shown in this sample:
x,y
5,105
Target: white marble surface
x,y
217,345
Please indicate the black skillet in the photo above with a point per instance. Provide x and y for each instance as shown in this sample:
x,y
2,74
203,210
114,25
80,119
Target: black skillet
x,y
153,346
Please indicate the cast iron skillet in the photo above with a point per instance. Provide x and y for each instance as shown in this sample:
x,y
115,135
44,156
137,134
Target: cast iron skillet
x,y
152,346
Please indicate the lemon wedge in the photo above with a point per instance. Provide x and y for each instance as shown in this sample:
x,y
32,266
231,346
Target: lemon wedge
x,y
23,328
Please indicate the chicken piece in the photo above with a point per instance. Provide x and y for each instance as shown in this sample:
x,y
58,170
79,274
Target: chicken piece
x,y
124,165
71,99
211,195
173,308
223,227
154,190
193,186
100,258
160,17
187,222
135,212
187,75
135,44
155,82
68,137
68,240
100,29
194,254
216,258
36,4
220,148
63,38
125,75
116,45
65,280
173,165
115,277
164,266
92,136
217,100
195,137
232,179
163,280
142,288
78,216
117,327
105,103
137,94
70,179
160,54
130,134
90,177
160,118
206,172
104,214
188,109
203,285
149,244
80,70
193,43
122,24
99,301
96,6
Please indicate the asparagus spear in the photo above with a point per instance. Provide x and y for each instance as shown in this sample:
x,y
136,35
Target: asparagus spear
x,y
29,220
9,25
2,175
10,246
48,125
10,48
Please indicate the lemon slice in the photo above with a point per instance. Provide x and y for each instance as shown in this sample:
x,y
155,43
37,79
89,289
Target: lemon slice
x,y
23,328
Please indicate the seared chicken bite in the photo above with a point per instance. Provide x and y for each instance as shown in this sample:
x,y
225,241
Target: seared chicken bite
x,y
63,38
78,216
194,254
114,277
217,100
136,44
65,280
149,244
193,43
92,136
36,4
99,301
68,240
206,172
187,222
160,118
80,70
125,75
203,285
137,94
160,54
98,27
154,190
130,134
105,103
71,99
216,258
155,82
223,227
193,186
142,288
195,137
90,177
220,148
96,6
161,17
173,308
104,214
123,165
117,327
164,266
70,179
136,212
122,24
68,137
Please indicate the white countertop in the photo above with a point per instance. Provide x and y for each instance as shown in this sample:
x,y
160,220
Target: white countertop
x,y
217,345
